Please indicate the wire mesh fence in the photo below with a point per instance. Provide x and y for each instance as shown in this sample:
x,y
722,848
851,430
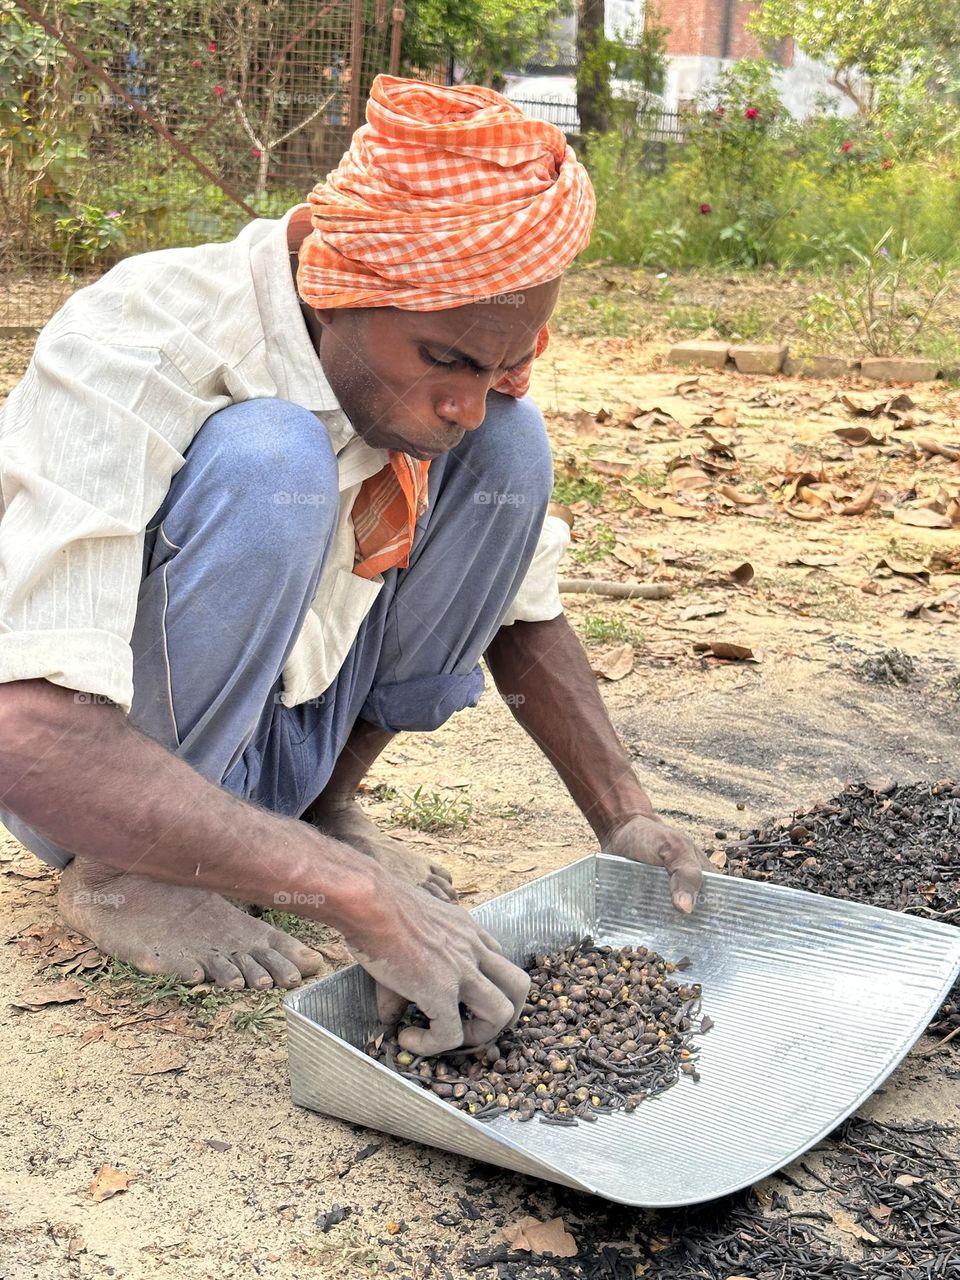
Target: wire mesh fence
x,y
127,126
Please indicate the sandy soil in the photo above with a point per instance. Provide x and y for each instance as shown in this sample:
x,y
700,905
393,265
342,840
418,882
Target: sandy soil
x,y
188,1095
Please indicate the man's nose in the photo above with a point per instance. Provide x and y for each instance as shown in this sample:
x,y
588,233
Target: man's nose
x,y
467,407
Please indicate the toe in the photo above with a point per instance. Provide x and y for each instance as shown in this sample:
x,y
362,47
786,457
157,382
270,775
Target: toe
x,y
280,969
255,976
442,872
304,959
223,972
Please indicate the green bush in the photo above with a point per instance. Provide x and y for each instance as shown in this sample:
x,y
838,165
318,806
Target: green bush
x,y
751,187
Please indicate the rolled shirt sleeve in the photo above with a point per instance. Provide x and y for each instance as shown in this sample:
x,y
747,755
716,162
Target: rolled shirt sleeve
x,y
81,473
538,599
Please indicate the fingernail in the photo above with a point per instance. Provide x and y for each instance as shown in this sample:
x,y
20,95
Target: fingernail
x,y
685,902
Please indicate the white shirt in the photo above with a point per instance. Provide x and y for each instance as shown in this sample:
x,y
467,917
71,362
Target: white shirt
x,y
120,382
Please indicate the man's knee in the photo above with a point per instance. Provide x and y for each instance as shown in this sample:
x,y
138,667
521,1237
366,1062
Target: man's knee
x,y
273,468
510,455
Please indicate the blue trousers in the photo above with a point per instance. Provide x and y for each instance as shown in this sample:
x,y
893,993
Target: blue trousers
x,y
228,577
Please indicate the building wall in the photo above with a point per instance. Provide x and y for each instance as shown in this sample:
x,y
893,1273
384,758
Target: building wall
x,y
800,84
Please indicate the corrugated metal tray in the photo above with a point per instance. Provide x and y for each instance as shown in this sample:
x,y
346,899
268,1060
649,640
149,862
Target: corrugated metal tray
x,y
815,1000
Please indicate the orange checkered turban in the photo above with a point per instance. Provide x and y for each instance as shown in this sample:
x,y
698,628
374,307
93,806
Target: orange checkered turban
x,y
446,196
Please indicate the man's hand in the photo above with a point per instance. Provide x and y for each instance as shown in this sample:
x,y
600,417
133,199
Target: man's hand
x,y
433,954
646,839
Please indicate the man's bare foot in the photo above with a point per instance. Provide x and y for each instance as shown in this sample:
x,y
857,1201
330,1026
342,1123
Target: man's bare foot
x,y
348,822
193,934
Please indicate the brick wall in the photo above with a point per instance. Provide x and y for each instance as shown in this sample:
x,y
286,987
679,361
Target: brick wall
x,y
711,28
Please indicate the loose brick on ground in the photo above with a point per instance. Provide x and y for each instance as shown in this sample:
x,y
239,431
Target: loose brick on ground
x,y
757,357
894,369
699,354
818,366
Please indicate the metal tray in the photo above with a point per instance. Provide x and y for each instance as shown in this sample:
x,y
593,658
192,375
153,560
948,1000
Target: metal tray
x,y
816,1000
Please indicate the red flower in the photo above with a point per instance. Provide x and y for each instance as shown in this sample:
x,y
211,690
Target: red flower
x,y
256,152
211,46
751,113
888,135
721,111
706,208
219,90
847,146
887,164
196,63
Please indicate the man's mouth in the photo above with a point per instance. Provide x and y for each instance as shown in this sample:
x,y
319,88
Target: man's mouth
x,y
425,453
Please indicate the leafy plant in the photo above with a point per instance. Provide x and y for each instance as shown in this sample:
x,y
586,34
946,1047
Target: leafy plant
x,y
577,488
892,297
597,627
431,811
595,547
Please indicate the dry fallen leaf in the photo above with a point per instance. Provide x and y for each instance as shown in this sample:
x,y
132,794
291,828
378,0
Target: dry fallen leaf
x,y
564,512
159,1062
858,436
34,998
550,1238
742,574
844,1222
702,611
616,664
904,568
922,518
881,1212
949,451
873,405
108,1182
719,858
813,561
737,497
723,649
805,513
862,501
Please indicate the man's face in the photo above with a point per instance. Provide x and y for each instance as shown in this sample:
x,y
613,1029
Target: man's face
x,y
418,380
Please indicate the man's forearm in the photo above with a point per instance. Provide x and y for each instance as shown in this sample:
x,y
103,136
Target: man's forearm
x,y
543,672
83,776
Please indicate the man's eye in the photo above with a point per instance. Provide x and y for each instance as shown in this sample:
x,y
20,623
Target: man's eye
x,y
430,359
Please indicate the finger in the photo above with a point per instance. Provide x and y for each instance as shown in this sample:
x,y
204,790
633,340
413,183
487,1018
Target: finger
x,y
490,941
492,1009
444,1032
390,1006
682,860
437,888
512,981
440,887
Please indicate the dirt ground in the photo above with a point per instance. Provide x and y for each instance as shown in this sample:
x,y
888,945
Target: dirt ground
x,y
187,1094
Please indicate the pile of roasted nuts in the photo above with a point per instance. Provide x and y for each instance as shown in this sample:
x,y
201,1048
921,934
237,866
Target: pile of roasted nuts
x,y
602,1030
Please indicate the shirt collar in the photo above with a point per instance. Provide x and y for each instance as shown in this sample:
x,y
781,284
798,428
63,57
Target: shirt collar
x,y
290,355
